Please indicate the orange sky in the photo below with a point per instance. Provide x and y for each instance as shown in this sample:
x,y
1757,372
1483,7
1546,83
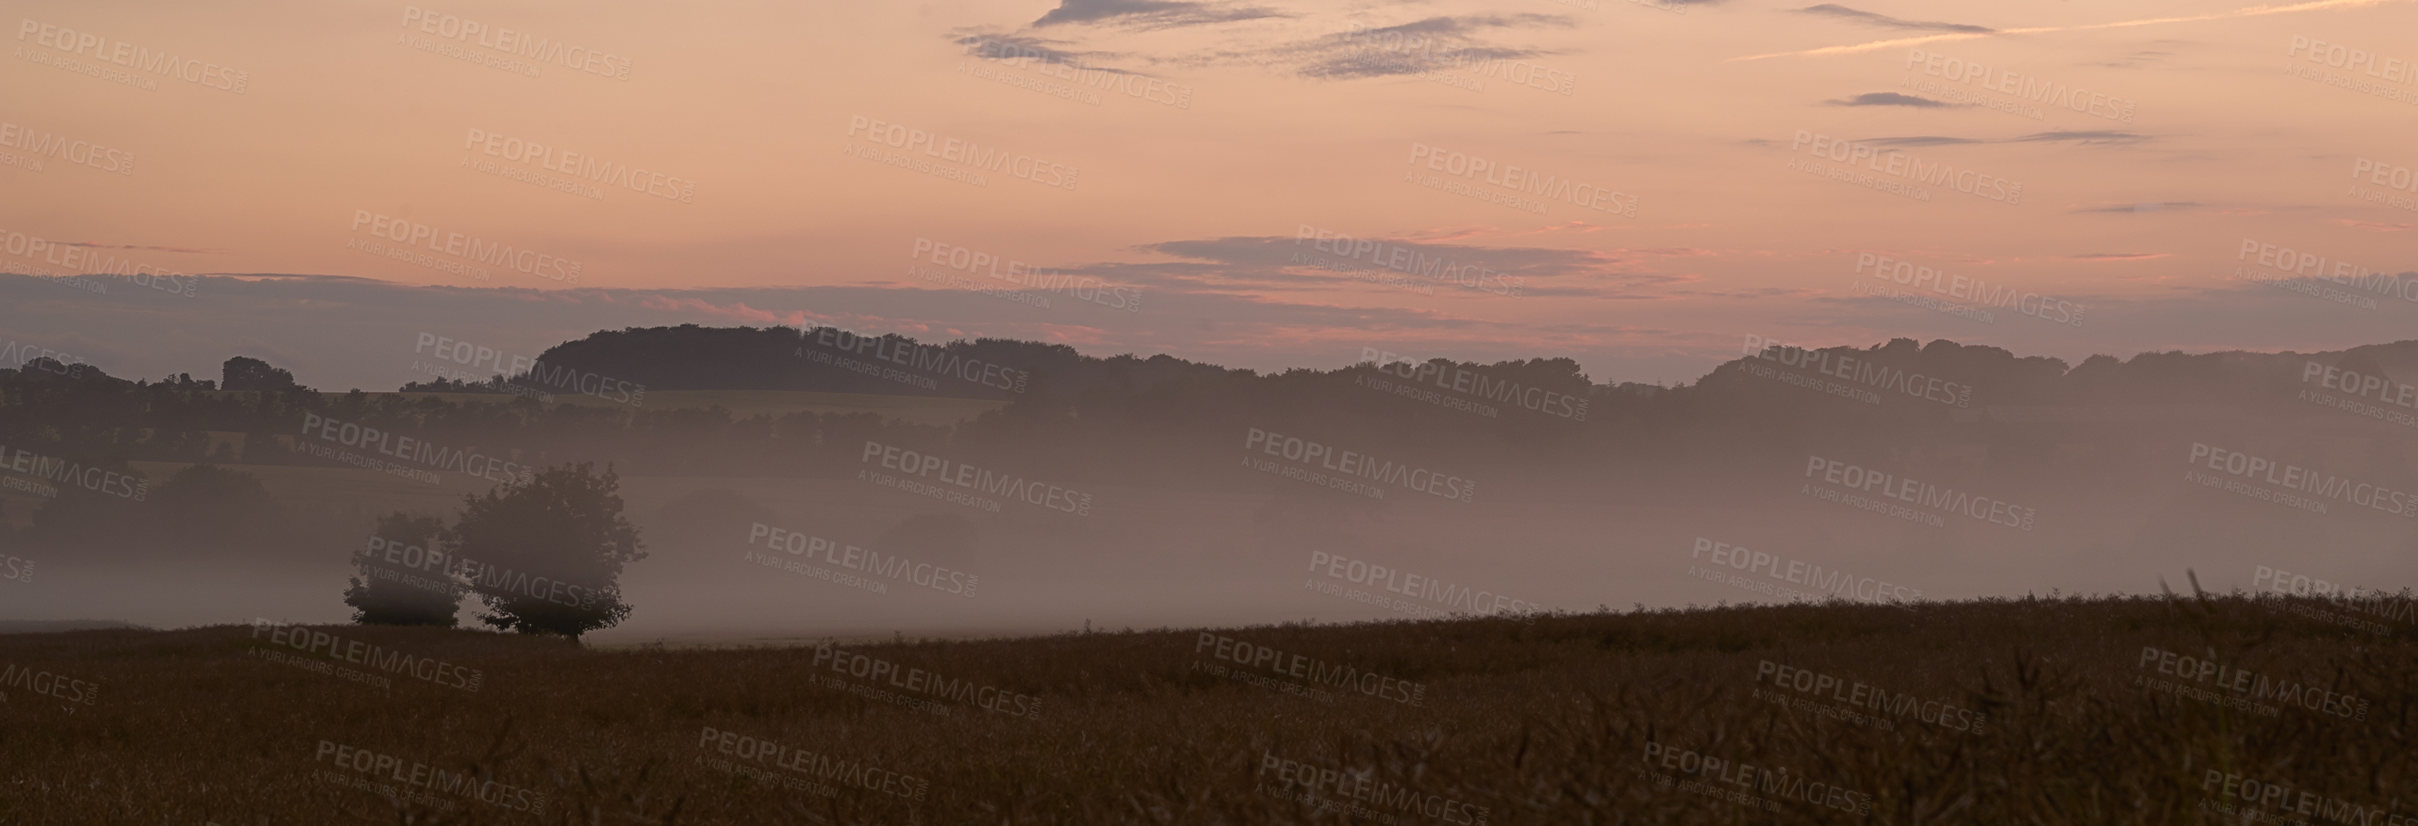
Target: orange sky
x,y
1180,149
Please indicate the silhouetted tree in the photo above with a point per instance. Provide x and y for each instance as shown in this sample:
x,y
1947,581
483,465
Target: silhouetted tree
x,y
545,554
405,578
246,373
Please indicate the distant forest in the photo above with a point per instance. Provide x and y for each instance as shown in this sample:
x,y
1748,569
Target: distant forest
x,y
1532,430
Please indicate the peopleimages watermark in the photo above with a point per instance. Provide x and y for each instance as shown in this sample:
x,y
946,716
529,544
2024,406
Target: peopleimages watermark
x,y
1895,171
1843,697
419,775
413,235
963,479
62,472
2400,401
2286,582
2187,676
19,355
965,160
872,563
2246,799
2019,93
1863,372
526,371
1793,379
1087,81
1358,793
2286,483
2302,271
405,449
819,768
461,572
46,683
72,257
333,648
1374,275
1746,784
39,145
1423,595
1830,582
837,345
459,364
1523,189
1464,383
16,568
70,43
2399,184
1025,277
1415,48
1405,259
2390,78
1851,481
1344,469
63,279
28,487
1310,671
1410,389
918,681
503,42
406,562
82,283
2302,262
1983,295
529,158
2391,606
1404,54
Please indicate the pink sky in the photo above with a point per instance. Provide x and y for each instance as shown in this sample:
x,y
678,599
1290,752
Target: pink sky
x,y
1178,150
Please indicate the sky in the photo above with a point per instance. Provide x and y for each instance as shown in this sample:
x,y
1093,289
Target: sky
x,y
1640,185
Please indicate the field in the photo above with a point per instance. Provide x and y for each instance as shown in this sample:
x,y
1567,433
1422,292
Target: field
x,y
2025,711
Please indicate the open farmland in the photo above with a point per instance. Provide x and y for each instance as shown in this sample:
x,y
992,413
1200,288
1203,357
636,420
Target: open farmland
x,y
1980,712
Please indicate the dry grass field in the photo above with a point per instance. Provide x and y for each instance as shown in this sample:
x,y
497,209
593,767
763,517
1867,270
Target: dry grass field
x,y
2006,711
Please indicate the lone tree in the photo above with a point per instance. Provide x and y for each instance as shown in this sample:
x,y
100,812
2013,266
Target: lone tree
x,y
545,553
247,373
406,578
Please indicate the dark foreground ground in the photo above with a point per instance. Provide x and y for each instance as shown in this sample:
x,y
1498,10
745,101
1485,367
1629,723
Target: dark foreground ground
x,y
2030,711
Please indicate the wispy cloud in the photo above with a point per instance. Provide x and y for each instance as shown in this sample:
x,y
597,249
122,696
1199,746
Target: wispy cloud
x,y
1890,99
144,247
2086,137
1920,140
1902,42
2144,206
2142,57
1026,48
1416,47
2119,256
1150,14
1861,16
